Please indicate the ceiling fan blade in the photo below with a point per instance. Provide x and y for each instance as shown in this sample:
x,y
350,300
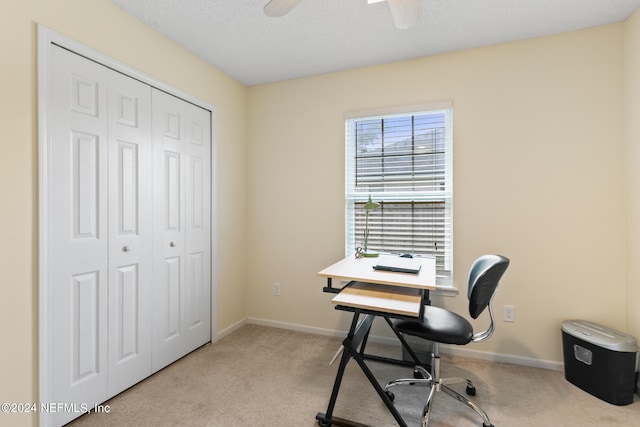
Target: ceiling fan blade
x,y
406,13
276,8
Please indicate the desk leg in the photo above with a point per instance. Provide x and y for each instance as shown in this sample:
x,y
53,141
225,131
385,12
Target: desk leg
x,y
357,333
405,345
379,390
325,419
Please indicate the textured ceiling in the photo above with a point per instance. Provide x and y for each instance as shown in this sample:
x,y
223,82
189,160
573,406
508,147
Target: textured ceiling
x,y
321,36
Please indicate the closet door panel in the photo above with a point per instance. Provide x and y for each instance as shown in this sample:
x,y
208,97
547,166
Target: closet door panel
x,y
85,320
198,232
78,239
127,314
172,316
173,194
130,232
182,199
169,339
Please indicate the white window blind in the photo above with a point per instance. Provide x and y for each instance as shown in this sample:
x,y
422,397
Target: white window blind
x,y
404,162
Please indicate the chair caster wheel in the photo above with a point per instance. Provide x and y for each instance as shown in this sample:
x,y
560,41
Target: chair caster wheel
x,y
324,423
471,390
418,375
390,395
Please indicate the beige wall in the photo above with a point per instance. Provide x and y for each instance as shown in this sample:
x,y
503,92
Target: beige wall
x,y
632,139
538,161
100,25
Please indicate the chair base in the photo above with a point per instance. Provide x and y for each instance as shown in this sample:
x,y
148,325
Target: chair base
x,y
438,384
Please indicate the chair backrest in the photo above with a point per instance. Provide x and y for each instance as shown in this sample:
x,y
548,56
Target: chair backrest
x,y
484,276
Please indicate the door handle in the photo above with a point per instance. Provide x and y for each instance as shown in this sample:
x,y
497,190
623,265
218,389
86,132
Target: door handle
x,y
172,244
125,249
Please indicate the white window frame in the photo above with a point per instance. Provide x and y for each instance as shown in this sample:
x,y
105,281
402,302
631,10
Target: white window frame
x,y
354,195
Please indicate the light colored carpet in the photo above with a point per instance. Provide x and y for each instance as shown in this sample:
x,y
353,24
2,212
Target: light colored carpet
x,y
260,376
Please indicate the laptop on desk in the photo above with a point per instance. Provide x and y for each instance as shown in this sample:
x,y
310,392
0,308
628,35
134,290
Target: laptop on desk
x,y
398,264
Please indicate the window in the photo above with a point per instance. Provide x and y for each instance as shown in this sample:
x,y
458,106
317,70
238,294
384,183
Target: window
x,y
404,162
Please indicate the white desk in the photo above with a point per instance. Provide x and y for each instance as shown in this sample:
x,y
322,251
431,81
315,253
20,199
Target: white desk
x,y
374,293
361,270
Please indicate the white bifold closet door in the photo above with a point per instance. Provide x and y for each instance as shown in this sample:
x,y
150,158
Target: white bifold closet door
x,y
100,256
181,227
130,232
129,242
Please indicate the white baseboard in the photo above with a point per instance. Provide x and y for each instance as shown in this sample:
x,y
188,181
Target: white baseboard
x,y
296,327
226,331
445,349
502,358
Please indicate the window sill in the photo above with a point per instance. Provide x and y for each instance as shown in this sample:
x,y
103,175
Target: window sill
x,y
445,287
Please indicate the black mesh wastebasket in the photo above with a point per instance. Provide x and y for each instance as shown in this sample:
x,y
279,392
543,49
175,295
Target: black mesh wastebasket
x,y
421,347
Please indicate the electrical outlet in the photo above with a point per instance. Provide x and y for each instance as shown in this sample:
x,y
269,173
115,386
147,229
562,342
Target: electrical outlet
x,y
276,289
509,313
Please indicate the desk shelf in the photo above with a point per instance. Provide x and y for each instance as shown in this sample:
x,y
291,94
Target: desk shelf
x,y
387,299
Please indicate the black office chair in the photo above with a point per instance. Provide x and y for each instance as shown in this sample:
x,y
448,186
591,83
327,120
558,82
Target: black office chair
x,y
443,326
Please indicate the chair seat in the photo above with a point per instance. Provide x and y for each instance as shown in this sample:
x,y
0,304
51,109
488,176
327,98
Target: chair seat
x,y
438,325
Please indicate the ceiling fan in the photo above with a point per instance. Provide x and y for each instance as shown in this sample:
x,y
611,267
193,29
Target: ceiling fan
x,y
405,13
